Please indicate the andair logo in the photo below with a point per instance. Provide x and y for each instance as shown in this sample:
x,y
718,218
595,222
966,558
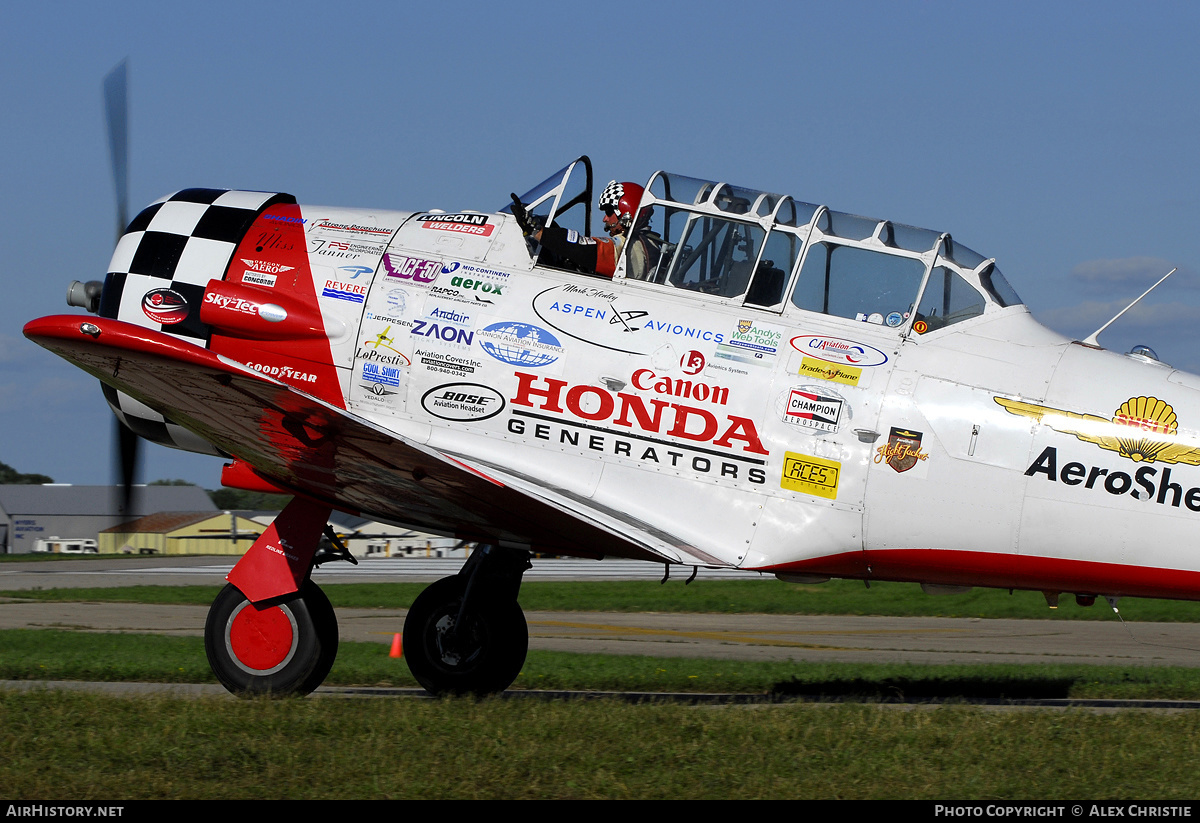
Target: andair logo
x,y
165,306
445,324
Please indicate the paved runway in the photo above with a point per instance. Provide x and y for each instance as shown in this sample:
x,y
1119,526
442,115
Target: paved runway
x,y
740,637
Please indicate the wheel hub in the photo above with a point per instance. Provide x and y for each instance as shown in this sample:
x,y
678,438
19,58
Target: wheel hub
x,y
261,642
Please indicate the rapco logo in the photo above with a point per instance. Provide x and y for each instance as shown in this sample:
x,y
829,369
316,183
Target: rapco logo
x,y
839,351
463,401
462,223
165,306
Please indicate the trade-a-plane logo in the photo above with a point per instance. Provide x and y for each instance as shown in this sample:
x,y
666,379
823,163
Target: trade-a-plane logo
x,y
165,306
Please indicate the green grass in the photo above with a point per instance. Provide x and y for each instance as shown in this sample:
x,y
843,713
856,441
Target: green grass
x,y
750,596
27,654
84,747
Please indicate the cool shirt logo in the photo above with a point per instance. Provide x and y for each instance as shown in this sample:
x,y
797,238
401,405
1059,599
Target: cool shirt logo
x,y
839,351
165,306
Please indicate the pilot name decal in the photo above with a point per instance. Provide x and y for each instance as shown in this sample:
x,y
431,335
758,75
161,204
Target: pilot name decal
x,y
1142,429
1116,483
751,343
813,408
810,475
604,409
903,450
839,351
463,223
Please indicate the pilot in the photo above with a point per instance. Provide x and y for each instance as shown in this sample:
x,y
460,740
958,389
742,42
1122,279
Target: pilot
x,y
599,255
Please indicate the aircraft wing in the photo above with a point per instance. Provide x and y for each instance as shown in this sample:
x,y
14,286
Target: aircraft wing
x,y
332,455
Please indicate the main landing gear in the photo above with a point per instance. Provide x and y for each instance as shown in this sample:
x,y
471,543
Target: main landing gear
x,y
466,634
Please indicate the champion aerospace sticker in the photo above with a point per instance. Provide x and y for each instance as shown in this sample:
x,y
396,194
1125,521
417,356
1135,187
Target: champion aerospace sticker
x,y
810,407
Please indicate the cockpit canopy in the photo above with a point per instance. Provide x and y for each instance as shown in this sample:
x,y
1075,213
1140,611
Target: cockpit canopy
x,y
768,250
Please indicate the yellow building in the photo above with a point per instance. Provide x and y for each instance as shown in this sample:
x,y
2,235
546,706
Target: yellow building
x,y
182,533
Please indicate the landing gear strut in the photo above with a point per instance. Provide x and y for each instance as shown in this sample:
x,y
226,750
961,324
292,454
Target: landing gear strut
x,y
285,648
466,634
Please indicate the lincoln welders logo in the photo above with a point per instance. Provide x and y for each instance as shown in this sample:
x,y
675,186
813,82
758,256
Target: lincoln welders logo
x,y
902,451
1142,429
165,306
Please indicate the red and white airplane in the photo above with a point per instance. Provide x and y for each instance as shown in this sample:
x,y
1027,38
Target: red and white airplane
x,y
762,384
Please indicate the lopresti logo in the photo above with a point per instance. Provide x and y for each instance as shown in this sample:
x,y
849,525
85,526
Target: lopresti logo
x,y
165,306
839,351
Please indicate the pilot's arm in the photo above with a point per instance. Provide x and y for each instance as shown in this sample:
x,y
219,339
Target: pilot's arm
x,y
590,254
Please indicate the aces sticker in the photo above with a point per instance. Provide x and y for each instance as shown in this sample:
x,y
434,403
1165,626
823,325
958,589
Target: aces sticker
x,y
810,475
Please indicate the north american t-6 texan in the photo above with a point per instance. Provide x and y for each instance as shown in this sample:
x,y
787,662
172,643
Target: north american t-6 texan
x,y
733,379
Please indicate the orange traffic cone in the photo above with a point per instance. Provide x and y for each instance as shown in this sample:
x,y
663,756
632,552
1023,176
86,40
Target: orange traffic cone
x,y
397,647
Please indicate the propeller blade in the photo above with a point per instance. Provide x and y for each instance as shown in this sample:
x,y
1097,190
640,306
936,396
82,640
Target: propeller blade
x,y
116,110
128,455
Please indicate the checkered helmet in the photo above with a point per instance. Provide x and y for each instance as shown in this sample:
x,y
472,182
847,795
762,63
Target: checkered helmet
x,y
623,198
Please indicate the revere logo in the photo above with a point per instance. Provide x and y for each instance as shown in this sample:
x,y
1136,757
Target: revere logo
x,y
463,401
165,306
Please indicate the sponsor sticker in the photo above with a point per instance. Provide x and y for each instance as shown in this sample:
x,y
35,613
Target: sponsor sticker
x,y
903,450
165,306
446,363
520,344
416,269
463,402
849,375
257,279
350,292
350,228
807,474
838,350
265,266
752,343
381,374
814,408
476,224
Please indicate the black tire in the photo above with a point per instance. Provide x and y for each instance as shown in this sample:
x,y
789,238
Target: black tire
x,y
483,657
285,649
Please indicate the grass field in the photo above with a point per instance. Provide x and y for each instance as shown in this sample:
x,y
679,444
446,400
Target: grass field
x,y
59,745
713,596
90,747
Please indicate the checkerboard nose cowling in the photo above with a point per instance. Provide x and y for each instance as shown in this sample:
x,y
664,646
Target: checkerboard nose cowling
x,y
158,274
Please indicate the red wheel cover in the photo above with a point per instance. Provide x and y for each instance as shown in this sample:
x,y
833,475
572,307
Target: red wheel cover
x,y
261,640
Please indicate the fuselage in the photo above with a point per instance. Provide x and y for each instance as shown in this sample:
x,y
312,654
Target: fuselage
x,y
784,388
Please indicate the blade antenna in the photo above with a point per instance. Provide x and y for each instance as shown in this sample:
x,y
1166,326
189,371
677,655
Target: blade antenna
x,y
1091,339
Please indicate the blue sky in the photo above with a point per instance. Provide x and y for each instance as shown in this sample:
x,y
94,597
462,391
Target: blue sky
x,y
1059,138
